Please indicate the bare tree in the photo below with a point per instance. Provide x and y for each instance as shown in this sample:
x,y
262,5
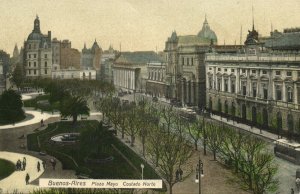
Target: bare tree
x,y
214,138
195,128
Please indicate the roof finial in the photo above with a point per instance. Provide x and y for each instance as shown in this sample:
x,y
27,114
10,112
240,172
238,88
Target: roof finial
x,y
252,19
205,21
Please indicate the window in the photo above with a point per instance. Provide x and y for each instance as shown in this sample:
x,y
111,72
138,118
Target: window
x,y
29,56
232,70
243,70
46,56
55,68
34,63
29,46
34,72
254,89
29,64
34,56
232,86
45,63
278,92
253,71
290,94
45,71
210,69
264,72
192,61
90,75
226,85
298,74
277,73
244,88
29,72
219,69
188,61
225,70
265,91
289,73
182,60
149,75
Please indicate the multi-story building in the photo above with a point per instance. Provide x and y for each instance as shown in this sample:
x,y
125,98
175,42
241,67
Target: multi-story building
x,y
155,84
72,73
185,71
107,60
91,58
259,86
130,70
5,58
37,53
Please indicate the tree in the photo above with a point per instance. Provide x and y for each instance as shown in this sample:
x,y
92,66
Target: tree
x,y
257,169
195,129
73,106
214,138
174,151
11,107
17,76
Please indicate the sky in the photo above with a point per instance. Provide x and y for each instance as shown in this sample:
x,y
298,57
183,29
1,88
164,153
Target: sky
x,y
139,25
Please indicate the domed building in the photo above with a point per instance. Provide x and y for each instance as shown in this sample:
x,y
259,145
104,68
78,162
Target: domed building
x,y
38,53
185,71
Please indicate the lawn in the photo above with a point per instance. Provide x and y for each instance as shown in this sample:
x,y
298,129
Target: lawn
x,y
6,168
95,141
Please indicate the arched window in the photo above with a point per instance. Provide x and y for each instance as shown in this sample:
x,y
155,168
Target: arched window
x,y
278,92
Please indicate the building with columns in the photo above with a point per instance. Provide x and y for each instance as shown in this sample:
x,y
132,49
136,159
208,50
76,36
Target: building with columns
x,y
155,84
130,70
185,71
37,57
260,86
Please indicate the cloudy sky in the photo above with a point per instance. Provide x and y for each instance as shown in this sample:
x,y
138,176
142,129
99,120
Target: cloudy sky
x,y
140,24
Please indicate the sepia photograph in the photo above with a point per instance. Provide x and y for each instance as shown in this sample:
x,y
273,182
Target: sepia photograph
x,y
150,97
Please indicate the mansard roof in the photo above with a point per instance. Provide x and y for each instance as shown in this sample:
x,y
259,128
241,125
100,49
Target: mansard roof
x,y
288,40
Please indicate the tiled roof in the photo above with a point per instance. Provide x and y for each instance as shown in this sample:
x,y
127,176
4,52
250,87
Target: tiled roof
x,y
139,57
192,40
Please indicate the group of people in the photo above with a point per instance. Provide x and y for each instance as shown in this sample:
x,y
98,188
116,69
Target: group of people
x,y
21,165
179,174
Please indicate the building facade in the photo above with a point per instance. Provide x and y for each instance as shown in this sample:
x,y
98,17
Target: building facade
x,y
2,78
91,58
38,53
155,84
130,70
260,86
185,70
73,73
107,60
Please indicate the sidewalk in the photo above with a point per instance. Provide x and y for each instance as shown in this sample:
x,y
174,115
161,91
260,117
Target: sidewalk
x,y
270,136
216,179
16,181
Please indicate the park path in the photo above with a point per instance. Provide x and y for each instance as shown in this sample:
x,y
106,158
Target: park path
x,y
16,181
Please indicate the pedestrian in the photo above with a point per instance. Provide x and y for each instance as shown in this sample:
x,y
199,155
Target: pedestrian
x,y
38,166
42,123
292,191
27,178
177,175
19,165
180,174
24,165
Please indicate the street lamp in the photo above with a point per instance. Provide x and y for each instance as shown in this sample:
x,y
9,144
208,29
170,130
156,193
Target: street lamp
x,y
199,173
142,166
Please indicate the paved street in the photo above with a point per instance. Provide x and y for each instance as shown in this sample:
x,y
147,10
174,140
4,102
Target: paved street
x,y
286,171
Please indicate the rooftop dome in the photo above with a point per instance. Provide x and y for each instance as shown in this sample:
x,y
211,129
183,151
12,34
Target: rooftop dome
x,y
207,33
36,32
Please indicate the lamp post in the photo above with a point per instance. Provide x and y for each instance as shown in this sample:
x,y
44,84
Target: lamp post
x,y
142,166
199,173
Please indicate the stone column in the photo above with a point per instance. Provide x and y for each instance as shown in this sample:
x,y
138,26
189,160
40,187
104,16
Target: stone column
x,y
192,92
187,92
182,92
284,96
295,93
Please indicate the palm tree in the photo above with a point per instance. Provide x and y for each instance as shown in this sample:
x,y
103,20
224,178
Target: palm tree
x,y
73,106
